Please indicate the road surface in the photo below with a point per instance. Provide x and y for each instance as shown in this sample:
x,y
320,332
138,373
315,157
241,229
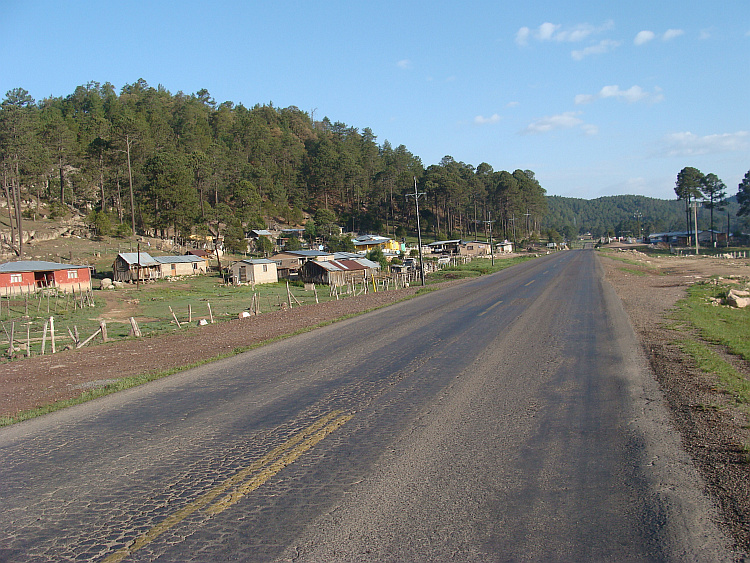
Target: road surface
x,y
508,418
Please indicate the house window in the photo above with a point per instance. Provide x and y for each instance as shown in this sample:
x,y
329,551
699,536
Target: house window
x,y
16,278
72,274
174,267
265,267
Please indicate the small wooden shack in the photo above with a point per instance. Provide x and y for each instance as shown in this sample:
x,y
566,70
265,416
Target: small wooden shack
x,y
135,266
338,272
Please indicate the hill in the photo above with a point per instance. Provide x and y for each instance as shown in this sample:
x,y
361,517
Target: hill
x,y
629,215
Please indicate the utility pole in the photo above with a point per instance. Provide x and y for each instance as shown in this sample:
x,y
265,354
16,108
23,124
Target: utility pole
x,y
528,232
695,217
492,248
638,215
416,195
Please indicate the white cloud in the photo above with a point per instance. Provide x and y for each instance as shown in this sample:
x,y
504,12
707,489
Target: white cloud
x,y
555,32
631,95
567,120
671,34
404,64
604,46
512,104
481,120
690,144
522,36
644,37
546,31
590,129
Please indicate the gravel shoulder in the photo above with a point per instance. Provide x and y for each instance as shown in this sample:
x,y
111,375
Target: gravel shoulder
x,y
713,429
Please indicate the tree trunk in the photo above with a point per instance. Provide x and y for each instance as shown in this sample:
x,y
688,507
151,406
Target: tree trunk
x,y
130,179
101,178
19,221
62,185
11,220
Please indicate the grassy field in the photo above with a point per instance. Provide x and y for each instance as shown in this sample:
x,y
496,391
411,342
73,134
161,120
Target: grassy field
x,y
477,267
157,306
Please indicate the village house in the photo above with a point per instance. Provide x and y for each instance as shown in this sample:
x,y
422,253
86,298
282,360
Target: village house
x,y
287,264
505,247
685,238
186,265
366,243
135,266
474,248
254,270
338,272
27,276
445,246
206,255
307,255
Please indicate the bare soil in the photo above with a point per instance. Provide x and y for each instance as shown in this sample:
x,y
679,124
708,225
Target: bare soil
x,y
714,429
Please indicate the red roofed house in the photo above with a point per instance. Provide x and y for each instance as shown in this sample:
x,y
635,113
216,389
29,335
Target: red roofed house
x,y
26,276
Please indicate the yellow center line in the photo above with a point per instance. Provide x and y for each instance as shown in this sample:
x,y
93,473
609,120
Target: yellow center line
x,y
275,467
488,309
308,436
528,284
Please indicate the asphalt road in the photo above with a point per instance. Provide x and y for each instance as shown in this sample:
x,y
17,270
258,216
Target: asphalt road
x,y
510,418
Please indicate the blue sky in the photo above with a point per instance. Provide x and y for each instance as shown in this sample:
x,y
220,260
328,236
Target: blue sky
x,y
596,98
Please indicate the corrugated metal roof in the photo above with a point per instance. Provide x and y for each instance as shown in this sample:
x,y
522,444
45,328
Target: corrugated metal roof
x,y
132,258
348,265
257,261
185,258
308,253
36,266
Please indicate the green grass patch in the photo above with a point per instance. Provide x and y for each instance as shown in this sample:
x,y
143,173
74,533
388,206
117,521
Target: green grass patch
x,y
721,325
634,272
475,268
715,325
710,362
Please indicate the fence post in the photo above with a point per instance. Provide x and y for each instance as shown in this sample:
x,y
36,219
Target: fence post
x,y
44,336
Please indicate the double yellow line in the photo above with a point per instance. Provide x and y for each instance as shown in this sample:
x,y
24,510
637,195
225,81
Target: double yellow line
x,y
244,481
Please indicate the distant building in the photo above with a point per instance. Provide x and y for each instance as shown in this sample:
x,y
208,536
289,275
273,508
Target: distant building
x,y
366,243
27,276
186,265
445,246
474,248
338,272
135,266
256,270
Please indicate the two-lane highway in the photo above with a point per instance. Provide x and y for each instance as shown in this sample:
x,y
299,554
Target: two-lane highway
x,y
512,417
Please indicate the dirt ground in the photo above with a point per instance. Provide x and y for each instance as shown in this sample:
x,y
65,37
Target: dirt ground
x,y
714,430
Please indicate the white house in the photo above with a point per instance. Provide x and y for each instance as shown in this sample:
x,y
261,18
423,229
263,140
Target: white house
x,y
256,270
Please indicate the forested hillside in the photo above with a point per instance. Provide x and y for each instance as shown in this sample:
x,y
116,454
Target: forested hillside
x,y
146,160
631,215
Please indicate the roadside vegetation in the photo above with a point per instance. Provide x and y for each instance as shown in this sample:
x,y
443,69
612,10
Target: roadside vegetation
x,y
716,327
475,268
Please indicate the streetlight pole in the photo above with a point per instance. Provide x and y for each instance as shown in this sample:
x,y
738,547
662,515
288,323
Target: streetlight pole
x,y
416,195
